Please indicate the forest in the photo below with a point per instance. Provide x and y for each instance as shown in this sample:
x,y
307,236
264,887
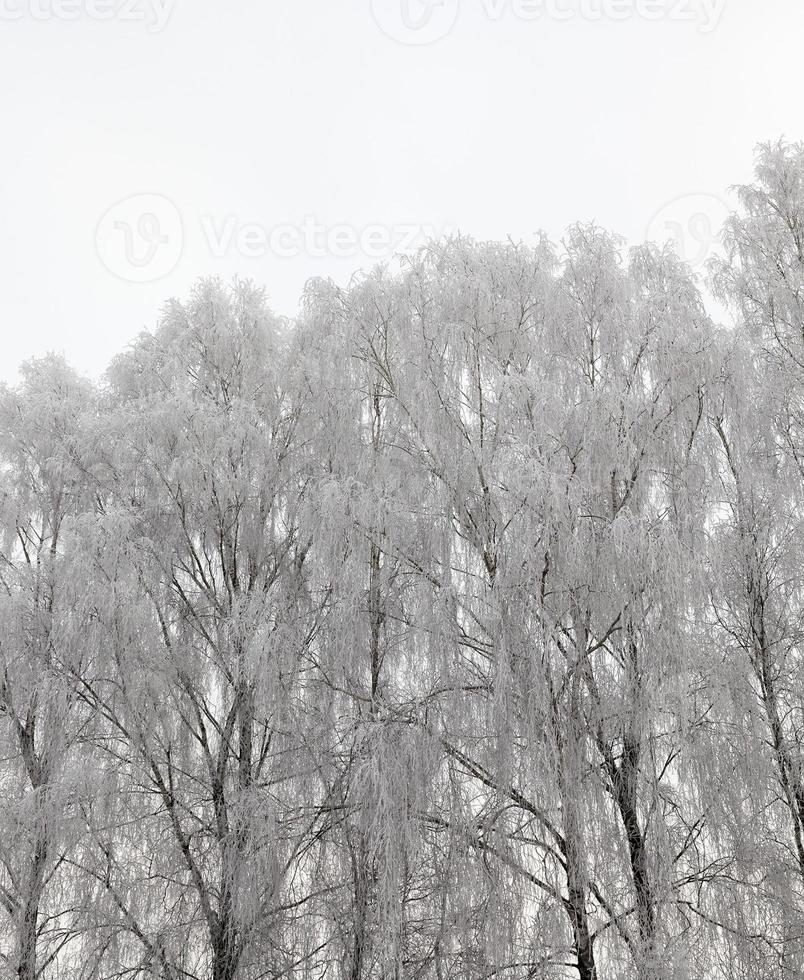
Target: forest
x,y
452,631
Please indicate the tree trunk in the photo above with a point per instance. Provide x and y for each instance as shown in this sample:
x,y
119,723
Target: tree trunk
x,y
37,770
29,924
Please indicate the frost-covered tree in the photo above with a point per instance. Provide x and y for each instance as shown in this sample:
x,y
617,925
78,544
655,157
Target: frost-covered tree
x,y
203,841
757,595
450,632
47,484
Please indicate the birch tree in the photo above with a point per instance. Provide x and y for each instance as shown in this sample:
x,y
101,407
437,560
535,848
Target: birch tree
x,y
450,632
46,485
758,607
202,623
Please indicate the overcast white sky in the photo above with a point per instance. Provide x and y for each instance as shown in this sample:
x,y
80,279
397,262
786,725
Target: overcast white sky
x,y
283,139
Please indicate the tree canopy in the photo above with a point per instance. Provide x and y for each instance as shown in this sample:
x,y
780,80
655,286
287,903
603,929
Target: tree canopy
x,y
453,631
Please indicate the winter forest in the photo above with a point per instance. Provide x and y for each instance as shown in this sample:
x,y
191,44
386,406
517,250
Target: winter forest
x,y
453,631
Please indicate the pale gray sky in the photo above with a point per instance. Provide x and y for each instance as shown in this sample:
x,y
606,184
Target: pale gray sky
x,y
292,138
